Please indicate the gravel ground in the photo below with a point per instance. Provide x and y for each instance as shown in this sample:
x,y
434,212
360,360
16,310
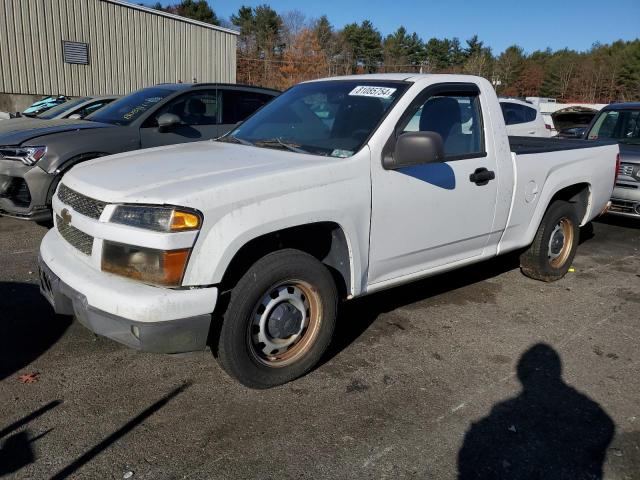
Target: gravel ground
x,y
479,373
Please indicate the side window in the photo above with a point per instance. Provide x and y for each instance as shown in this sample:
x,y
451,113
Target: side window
x,y
528,114
514,113
90,108
458,120
194,108
511,113
237,105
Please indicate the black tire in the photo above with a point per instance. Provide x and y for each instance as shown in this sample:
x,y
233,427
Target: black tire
x,y
538,261
241,355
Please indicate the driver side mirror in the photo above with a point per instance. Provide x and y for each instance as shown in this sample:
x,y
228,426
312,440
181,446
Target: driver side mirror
x,y
75,116
415,148
167,121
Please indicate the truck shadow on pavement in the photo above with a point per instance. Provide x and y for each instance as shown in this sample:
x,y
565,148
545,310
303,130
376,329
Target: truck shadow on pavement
x,y
357,315
616,221
550,430
28,326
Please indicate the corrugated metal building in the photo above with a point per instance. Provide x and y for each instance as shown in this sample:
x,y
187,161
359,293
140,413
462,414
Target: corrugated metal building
x,y
84,47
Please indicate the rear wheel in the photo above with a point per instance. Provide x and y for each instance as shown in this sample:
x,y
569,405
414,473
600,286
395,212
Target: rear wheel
x,y
554,246
279,321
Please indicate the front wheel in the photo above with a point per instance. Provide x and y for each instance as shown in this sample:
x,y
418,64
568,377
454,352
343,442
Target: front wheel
x,y
279,321
554,246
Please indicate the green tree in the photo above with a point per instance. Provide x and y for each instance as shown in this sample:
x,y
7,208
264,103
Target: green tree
x,y
260,30
194,9
439,54
507,69
365,42
630,72
326,37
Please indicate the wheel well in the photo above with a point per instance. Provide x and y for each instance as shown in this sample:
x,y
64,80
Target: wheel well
x,y
578,194
64,168
325,241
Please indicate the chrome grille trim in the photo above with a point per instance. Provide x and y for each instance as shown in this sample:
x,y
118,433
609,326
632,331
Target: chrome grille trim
x,y
625,169
82,204
75,237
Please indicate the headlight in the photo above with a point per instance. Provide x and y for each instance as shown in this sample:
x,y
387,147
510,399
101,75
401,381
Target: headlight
x,y
158,267
160,219
27,155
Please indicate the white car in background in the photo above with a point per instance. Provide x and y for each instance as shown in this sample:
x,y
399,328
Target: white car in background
x,y
523,119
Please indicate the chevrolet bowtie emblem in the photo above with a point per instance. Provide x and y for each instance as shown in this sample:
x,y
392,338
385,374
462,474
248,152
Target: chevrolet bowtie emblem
x,y
66,216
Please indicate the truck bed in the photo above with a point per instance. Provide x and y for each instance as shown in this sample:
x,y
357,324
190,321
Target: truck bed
x,y
525,145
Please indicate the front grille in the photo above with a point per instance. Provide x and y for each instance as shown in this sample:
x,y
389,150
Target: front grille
x,y
81,203
75,237
625,169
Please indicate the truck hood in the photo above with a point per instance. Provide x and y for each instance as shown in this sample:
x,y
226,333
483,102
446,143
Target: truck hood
x,y
17,131
178,173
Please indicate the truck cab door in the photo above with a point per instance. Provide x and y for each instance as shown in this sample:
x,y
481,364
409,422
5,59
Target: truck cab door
x,y
199,120
432,215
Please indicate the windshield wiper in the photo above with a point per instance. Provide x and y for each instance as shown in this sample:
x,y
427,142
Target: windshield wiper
x,y
277,142
231,138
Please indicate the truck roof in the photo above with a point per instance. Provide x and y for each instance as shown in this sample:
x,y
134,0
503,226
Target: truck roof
x,y
623,106
403,77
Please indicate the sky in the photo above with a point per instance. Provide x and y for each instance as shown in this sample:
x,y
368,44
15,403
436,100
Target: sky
x,y
534,24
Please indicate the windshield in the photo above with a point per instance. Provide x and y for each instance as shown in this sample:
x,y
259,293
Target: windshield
x,y
331,118
127,109
620,125
63,107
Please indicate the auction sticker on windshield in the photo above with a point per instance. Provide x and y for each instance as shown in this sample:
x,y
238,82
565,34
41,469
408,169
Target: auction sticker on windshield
x,y
378,92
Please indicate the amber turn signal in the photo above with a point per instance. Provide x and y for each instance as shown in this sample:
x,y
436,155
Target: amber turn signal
x,y
184,221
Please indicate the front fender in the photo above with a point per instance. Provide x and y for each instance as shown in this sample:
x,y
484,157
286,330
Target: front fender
x,y
346,203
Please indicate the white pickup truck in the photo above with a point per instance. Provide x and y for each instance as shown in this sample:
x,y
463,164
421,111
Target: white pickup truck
x,y
336,189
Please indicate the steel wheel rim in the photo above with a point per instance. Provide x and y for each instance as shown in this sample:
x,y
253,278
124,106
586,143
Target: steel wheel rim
x,y
560,243
280,352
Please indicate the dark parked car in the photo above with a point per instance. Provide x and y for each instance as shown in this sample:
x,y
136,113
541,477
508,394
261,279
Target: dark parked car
x,y
34,156
572,132
621,122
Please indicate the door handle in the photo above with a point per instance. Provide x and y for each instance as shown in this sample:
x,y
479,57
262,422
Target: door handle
x,y
482,176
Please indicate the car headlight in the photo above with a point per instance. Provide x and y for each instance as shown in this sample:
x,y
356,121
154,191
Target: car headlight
x,y
157,267
27,155
159,219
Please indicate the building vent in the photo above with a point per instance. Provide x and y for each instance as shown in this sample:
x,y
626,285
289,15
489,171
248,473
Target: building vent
x,y
75,52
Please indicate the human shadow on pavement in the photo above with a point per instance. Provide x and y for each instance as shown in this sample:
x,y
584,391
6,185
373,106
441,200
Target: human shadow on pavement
x,y
28,326
549,431
16,451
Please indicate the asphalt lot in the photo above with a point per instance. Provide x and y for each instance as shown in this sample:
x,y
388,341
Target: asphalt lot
x,y
422,379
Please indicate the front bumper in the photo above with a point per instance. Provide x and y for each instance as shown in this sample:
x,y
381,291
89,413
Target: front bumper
x,y
24,191
140,316
625,201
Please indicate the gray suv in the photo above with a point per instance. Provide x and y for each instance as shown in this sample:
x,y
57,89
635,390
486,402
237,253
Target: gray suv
x,y
621,122
34,156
